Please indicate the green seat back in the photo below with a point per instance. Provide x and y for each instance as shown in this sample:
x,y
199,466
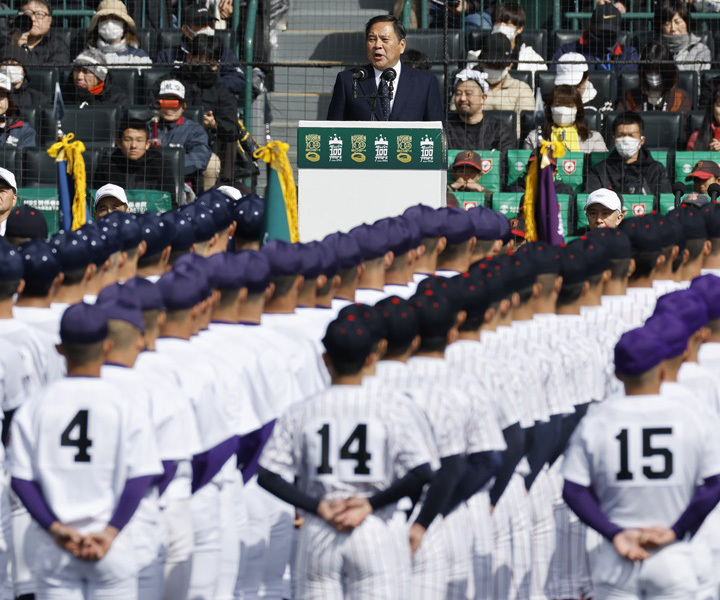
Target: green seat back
x,y
507,203
142,201
667,202
491,160
517,161
685,161
570,169
45,200
564,201
470,199
661,156
597,157
635,206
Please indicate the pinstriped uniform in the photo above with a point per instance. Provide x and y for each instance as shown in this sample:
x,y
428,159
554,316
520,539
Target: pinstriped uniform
x,y
345,441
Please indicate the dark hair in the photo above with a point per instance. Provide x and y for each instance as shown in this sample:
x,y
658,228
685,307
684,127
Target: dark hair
x,y
473,322
149,261
416,59
11,109
452,251
655,58
81,354
37,291
207,46
628,118
665,12
566,94
45,3
177,253
132,124
644,263
283,285
8,288
325,290
570,293
525,294
433,344
705,133
396,23
509,12
348,274
347,367
73,277
695,247
619,268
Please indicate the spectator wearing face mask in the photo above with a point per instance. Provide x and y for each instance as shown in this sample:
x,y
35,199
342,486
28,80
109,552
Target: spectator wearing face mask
x,y
572,69
672,18
14,132
198,20
658,85
112,31
23,95
599,44
630,168
565,122
37,46
505,92
91,83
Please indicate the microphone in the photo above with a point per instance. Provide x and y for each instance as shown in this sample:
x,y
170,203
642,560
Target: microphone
x,y
389,75
360,74
679,191
713,191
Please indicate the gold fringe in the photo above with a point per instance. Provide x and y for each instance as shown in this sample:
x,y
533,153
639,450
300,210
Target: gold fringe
x,y
275,154
72,152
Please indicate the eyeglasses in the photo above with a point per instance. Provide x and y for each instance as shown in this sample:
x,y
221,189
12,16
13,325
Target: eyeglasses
x,y
40,14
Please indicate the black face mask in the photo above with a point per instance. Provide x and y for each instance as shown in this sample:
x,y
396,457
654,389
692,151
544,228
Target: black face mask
x,y
203,75
603,43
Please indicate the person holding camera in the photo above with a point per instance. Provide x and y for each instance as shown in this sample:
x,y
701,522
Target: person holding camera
x,y
14,132
31,42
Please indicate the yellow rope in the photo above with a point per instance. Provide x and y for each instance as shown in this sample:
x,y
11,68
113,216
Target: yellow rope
x,y
73,154
275,154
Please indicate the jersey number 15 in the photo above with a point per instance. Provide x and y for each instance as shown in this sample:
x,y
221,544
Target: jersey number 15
x,y
663,462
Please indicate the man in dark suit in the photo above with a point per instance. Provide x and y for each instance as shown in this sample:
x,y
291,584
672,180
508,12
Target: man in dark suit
x,y
416,95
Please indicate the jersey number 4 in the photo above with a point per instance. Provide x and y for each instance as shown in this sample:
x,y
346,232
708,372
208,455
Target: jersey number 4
x,y
649,451
76,435
359,454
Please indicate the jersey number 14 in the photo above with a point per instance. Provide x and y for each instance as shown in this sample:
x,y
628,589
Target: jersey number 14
x,y
360,454
76,436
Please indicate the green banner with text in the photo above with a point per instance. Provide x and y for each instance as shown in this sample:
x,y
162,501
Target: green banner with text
x,y
371,148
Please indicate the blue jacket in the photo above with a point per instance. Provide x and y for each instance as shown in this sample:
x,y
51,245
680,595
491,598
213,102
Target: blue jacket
x,y
607,63
18,135
187,134
417,98
231,73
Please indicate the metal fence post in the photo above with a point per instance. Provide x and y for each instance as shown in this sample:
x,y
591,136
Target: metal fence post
x,y
249,41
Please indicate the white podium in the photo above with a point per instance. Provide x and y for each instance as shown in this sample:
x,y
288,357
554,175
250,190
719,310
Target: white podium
x,y
353,172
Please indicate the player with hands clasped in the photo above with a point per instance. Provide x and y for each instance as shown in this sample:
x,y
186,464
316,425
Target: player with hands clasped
x,y
631,473
81,462
345,442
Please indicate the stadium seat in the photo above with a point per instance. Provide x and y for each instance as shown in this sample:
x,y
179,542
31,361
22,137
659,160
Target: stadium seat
x,y
127,80
492,168
39,169
30,116
662,156
597,157
92,154
150,78
142,201
509,117
507,203
517,161
147,36
687,80
89,124
565,36
527,124
662,129
43,79
175,160
46,201
710,79
468,200
695,121
537,38
685,161
169,38
570,169
65,34
567,214
142,112
430,41
667,203
10,160
524,76
635,204
603,81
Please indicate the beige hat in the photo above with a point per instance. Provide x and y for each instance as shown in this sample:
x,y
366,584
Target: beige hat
x,y
112,8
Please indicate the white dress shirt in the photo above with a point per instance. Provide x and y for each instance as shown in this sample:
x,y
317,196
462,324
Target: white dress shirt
x,y
397,69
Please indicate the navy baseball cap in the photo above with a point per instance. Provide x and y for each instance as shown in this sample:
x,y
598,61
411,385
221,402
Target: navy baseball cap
x,y
121,303
148,293
616,242
519,270
111,232
368,315
40,264
708,288
457,227
328,261
495,278
399,320
347,250
11,262
156,233
372,241
73,250
597,258
348,340
711,214
645,235
573,266
426,218
183,232
398,237
472,293
283,256
672,331
180,290
544,257
26,222
219,205
487,227
442,286
692,221
638,351
413,230
255,269
129,229
83,323
201,220
99,248
227,273
687,305
435,314
198,267
249,214
311,264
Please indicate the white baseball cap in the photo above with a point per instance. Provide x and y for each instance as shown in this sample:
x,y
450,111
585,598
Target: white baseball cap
x,y
5,85
8,177
110,189
607,198
229,190
172,87
568,70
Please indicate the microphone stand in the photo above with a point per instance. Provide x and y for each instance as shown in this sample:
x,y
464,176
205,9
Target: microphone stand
x,y
372,98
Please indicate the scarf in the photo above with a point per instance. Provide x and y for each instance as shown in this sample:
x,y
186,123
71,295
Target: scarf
x,y
568,136
109,48
98,89
677,43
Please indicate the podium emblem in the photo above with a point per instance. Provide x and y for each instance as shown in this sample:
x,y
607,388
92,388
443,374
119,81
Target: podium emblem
x,y
312,147
427,150
569,166
381,148
358,146
336,146
486,164
404,146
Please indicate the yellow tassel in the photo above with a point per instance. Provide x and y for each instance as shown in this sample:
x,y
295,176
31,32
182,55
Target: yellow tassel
x,y
531,191
73,154
275,154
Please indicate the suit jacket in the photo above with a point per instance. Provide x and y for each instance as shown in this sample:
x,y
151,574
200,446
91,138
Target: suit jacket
x,y
416,98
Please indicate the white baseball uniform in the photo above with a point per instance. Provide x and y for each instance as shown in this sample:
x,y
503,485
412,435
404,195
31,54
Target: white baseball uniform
x,y
80,441
345,442
643,457
369,296
45,319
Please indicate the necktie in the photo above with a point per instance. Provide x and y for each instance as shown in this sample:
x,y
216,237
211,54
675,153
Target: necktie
x,y
384,97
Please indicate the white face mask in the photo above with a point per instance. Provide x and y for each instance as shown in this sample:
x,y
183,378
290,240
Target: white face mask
x,y
111,30
563,116
496,75
654,79
14,73
507,30
627,146
203,31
